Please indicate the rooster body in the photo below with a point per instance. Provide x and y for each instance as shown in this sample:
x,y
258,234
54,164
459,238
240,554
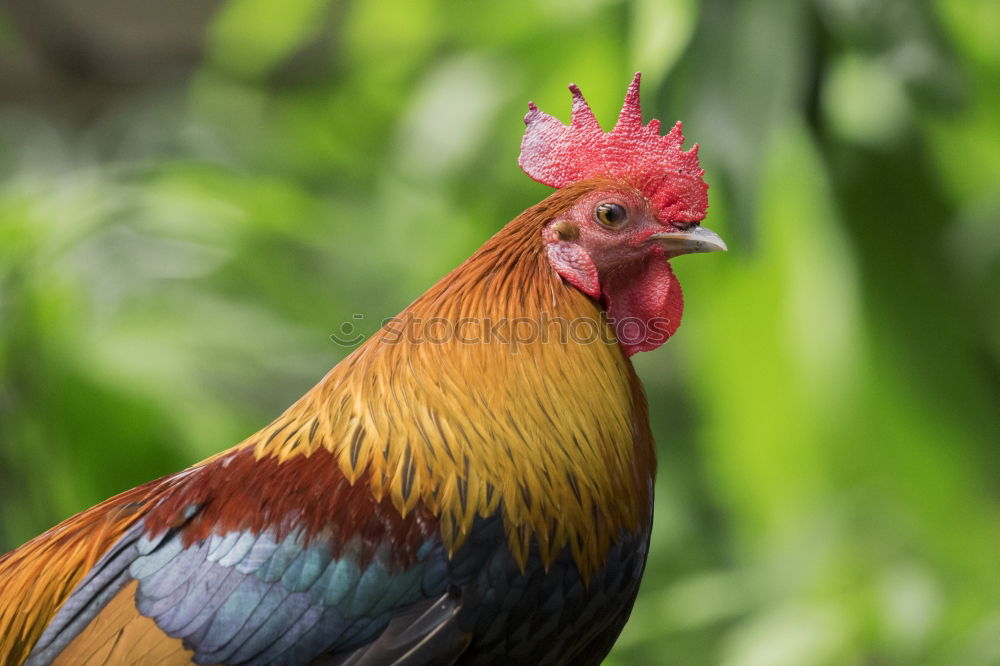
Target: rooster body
x,y
473,498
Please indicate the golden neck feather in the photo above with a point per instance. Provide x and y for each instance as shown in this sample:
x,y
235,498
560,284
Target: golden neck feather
x,y
553,433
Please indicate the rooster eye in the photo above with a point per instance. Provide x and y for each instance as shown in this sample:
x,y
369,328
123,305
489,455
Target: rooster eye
x,y
610,214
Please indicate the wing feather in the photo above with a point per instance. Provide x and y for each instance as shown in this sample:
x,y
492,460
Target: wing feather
x,y
119,635
169,573
37,578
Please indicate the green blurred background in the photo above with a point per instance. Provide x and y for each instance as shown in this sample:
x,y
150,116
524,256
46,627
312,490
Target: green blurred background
x,y
194,196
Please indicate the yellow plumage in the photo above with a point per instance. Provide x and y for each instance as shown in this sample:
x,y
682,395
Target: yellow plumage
x,y
463,427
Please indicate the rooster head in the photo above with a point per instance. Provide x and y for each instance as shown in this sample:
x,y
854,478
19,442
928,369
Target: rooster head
x,y
641,200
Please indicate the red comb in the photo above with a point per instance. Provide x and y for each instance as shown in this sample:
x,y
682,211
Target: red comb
x,y
557,155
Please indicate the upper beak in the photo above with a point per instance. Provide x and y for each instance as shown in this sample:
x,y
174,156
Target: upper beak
x,y
695,239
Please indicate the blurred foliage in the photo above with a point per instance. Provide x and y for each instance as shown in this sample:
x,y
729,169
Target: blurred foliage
x,y
175,253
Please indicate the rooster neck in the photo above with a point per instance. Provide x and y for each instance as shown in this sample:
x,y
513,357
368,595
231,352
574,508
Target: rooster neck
x,y
501,389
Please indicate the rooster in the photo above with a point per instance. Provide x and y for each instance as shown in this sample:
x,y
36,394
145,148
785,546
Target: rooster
x,y
472,485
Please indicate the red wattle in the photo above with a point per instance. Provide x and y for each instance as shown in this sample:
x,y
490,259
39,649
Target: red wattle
x,y
645,306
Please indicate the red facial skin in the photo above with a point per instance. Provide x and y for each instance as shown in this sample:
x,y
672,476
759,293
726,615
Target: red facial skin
x,y
619,265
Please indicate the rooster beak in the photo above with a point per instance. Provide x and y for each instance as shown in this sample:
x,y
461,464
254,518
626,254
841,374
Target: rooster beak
x,y
695,239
